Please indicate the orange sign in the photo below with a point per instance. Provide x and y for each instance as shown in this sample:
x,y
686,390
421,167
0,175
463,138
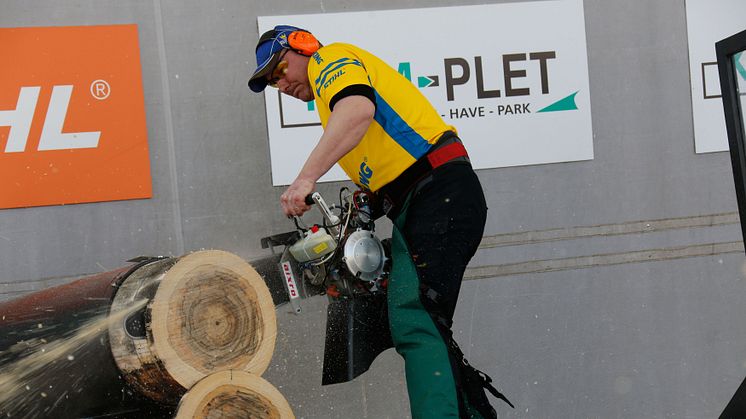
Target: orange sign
x,y
72,116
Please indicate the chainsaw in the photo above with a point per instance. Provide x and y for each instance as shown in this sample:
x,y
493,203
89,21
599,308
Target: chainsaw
x,y
344,259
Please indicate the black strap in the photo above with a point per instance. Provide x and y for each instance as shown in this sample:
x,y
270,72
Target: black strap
x,y
487,383
474,380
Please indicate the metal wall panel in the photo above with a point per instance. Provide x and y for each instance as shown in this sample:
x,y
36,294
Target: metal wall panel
x,y
625,336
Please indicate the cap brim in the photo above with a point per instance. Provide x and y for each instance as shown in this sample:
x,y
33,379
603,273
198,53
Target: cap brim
x,y
258,82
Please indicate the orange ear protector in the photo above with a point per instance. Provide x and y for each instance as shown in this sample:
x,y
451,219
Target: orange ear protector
x,y
303,43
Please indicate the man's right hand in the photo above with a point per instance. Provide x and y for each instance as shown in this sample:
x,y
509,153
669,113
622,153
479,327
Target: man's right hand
x,y
293,201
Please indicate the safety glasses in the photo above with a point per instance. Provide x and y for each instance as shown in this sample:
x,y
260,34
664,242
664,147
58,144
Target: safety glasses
x,y
279,71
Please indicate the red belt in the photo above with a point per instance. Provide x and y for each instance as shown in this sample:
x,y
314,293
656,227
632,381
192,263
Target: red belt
x,y
446,153
447,149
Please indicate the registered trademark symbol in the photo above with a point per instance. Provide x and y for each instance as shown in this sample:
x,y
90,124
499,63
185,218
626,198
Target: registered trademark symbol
x,y
100,89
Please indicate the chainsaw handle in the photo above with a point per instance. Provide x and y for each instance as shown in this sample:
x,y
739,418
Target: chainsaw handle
x,y
315,198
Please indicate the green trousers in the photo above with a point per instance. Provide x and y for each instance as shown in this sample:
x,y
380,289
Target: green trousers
x,y
442,225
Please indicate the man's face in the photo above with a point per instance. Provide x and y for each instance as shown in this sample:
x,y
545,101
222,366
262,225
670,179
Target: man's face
x,y
293,80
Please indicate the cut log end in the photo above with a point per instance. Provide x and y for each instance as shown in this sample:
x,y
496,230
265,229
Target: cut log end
x,y
209,311
214,318
212,312
233,394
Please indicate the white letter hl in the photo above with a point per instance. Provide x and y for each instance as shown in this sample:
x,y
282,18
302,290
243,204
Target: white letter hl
x,y
52,137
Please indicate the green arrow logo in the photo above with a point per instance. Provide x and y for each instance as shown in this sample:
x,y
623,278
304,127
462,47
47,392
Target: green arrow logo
x,y
564,104
427,81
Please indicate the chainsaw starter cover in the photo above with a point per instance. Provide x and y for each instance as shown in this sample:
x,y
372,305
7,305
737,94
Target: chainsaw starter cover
x,y
364,255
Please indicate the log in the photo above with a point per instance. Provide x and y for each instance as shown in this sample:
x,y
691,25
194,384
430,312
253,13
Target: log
x,y
233,394
54,361
208,312
132,341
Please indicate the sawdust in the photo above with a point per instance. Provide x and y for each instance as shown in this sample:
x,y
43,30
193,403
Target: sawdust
x,y
24,381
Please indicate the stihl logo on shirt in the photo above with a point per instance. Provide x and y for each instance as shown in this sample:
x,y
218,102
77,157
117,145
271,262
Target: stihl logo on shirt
x,y
290,280
72,116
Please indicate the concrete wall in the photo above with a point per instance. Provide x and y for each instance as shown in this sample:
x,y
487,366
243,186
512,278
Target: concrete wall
x,y
606,288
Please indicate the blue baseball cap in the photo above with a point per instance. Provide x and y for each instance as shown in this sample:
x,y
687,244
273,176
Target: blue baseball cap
x,y
268,50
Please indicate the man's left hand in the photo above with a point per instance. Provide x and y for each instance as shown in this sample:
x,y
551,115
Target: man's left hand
x,y
293,201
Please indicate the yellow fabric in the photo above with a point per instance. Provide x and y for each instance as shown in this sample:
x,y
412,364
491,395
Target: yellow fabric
x,y
405,124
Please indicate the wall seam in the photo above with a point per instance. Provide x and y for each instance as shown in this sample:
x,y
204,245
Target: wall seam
x,y
605,230
168,115
600,260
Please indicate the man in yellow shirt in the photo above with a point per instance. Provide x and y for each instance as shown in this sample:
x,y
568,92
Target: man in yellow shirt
x,y
390,141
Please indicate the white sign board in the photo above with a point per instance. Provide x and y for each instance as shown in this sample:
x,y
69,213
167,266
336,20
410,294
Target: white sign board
x,y
709,21
512,78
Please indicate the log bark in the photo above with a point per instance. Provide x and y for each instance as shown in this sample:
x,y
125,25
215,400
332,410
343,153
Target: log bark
x,y
233,394
54,357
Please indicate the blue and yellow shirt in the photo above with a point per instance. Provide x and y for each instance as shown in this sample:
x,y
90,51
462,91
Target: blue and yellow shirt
x,y
405,123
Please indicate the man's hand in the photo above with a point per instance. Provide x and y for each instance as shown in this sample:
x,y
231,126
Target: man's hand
x,y
293,201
